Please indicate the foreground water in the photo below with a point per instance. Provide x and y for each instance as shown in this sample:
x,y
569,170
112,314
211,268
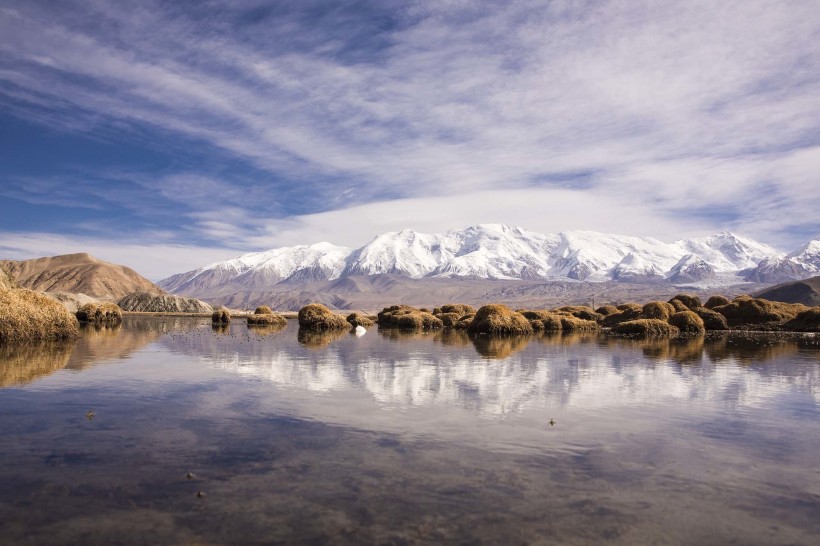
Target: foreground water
x,y
397,439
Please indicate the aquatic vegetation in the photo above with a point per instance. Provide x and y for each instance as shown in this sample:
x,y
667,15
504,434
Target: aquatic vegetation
x,y
221,316
687,322
360,319
712,320
746,312
646,327
805,321
499,319
316,316
657,310
266,319
100,313
691,302
715,301
405,317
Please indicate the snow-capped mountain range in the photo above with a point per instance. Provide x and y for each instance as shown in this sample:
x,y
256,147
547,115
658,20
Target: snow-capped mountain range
x,y
493,251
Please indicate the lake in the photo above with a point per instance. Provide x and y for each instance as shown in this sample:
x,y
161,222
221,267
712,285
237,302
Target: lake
x,y
165,431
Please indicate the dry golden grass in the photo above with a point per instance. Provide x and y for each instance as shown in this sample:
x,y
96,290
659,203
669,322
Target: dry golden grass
x,y
28,315
712,320
359,319
687,322
657,310
805,321
606,310
691,302
646,327
449,320
745,312
23,363
542,320
316,316
496,319
404,317
678,305
221,316
464,322
267,319
715,301
458,308
263,310
582,312
6,281
626,312
570,323
100,313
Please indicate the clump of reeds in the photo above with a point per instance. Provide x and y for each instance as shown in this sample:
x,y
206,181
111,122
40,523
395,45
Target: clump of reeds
x,y
263,310
496,319
678,305
687,322
582,312
360,319
625,312
28,315
745,311
605,310
691,302
646,327
405,317
716,301
458,308
266,319
542,320
100,313
464,322
221,316
571,323
316,316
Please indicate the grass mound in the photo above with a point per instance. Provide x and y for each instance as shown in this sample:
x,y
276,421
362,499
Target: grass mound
x,y
543,321
29,315
359,319
449,320
454,308
221,316
464,322
805,321
267,319
570,323
716,301
678,305
100,313
263,310
646,327
404,317
496,319
687,322
657,310
712,320
691,302
582,312
316,316
625,313
606,310
745,311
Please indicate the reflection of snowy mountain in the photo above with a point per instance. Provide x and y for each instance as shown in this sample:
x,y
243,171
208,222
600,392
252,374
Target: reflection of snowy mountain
x,y
583,375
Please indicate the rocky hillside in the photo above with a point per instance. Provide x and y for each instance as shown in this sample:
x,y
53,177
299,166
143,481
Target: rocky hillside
x,y
806,292
151,303
78,273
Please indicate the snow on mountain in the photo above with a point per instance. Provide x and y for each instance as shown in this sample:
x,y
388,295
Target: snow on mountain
x,y
493,251
800,264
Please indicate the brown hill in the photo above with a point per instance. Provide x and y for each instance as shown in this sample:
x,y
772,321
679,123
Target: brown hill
x,y
806,292
78,273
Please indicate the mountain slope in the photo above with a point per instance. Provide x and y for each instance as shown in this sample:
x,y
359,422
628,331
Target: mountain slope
x,y
78,273
805,291
800,264
487,251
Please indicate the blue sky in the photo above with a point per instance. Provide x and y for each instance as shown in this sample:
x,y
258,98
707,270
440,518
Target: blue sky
x,y
165,135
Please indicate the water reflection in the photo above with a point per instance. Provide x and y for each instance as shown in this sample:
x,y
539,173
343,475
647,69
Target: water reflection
x,y
21,364
316,339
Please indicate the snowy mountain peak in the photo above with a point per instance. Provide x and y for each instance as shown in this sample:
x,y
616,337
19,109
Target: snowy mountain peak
x,y
499,251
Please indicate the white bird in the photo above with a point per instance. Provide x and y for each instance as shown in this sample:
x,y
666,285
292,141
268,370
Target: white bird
x,y
360,331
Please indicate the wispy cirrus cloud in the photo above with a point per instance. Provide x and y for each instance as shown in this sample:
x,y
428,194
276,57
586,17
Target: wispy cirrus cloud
x,y
692,115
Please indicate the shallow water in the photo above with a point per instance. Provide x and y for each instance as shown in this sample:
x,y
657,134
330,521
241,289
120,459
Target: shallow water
x,y
403,439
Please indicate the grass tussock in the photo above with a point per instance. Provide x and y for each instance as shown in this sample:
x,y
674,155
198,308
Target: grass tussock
x,y
687,322
449,320
99,313
28,315
405,317
646,327
582,312
625,313
458,308
712,320
606,310
543,320
716,301
221,316
691,302
745,312
571,323
496,319
678,305
316,316
464,322
360,319
263,310
267,319
657,310
805,321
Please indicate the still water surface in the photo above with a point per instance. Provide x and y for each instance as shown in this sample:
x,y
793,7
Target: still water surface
x,y
407,439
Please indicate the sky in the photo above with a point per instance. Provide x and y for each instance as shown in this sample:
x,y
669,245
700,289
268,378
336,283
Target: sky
x,y
165,135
